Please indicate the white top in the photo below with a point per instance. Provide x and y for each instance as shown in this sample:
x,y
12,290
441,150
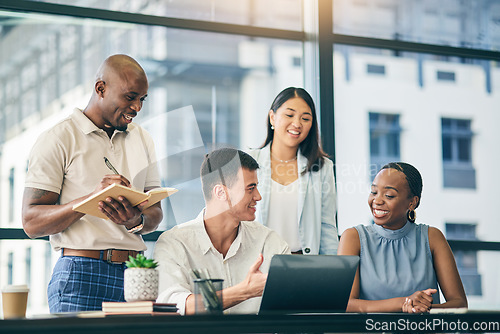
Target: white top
x,y
316,202
283,217
188,246
68,159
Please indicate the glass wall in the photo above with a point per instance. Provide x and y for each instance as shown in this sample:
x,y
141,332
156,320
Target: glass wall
x,y
206,90
436,111
470,24
207,82
279,14
215,66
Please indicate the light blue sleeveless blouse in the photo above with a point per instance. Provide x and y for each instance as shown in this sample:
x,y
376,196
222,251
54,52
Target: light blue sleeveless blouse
x,y
395,263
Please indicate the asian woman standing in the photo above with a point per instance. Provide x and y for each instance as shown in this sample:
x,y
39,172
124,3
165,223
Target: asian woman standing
x,y
296,178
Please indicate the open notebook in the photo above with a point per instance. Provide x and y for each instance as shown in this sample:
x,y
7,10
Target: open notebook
x,y
90,206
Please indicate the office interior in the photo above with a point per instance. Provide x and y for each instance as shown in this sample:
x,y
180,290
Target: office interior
x,y
393,80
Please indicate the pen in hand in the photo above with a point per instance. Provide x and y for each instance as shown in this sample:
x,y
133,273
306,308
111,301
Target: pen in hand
x,y
110,166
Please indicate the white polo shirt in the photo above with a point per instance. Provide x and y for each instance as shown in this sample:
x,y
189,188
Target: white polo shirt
x,y
68,159
188,246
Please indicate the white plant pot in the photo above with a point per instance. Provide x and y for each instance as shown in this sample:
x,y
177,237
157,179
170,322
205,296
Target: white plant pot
x,y
140,284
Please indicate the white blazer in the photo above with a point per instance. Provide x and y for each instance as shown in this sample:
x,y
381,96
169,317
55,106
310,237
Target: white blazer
x,y
316,205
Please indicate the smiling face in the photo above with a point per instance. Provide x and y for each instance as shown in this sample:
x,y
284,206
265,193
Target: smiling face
x,y
390,199
122,96
292,122
243,195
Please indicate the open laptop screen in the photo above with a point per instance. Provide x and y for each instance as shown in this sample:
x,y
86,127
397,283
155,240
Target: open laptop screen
x,y
308,283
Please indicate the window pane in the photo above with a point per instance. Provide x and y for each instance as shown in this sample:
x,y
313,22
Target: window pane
x,y
463,124
445,76
280,14
447,155
426,108
374,145
229,80
393,144
384,140
446,123
430,112
10,267
457,139
464,150
480,282
205,90
11,194
373,119
29,262
393,121
375,69
467,268
472,23
460,231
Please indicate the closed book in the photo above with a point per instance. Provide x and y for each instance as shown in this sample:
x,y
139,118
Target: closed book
x,y
138,307
90,206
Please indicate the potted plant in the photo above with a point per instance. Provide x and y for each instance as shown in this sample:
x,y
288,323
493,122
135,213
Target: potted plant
x,y
141,279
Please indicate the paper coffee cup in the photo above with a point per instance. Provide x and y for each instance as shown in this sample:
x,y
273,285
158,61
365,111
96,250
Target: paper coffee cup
x,y
14,300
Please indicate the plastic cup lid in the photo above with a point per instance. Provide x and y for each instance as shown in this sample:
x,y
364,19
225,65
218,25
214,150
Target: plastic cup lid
x,y
16,288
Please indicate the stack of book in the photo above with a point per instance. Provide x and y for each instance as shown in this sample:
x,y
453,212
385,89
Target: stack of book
x,y
139,307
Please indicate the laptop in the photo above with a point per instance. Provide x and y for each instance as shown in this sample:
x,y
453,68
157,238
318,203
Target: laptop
x,y
308,284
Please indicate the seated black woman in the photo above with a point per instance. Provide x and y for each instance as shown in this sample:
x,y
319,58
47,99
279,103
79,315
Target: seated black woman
x,y
401,263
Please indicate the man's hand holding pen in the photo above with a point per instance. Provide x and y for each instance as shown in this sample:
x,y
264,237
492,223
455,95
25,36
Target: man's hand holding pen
x,y
122,212
119,211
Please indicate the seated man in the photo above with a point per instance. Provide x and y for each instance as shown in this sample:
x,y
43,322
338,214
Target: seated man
x,y
223,239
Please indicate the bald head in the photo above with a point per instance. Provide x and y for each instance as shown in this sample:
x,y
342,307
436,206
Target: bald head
x,y
119,65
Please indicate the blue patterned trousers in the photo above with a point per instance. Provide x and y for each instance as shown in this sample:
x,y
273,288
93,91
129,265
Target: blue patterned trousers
x,y
82,284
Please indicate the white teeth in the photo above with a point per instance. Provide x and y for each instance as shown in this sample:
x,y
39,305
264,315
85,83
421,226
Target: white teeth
x,y
380,212
128,117
294,132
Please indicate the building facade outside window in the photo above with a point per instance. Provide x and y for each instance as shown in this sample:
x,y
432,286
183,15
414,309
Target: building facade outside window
x,y
206,89
406,77
10,268
384,140
466,260
11,194
458,171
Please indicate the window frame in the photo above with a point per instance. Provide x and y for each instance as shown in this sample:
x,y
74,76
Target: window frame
x,y
457,173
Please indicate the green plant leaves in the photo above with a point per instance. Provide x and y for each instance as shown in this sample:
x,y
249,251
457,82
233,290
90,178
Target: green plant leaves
x,y
140,261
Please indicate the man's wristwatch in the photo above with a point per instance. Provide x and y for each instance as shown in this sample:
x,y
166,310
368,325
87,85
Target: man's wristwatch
x,y
137,228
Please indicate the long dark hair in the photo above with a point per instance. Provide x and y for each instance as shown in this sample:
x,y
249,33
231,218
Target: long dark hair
x,y
311,146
